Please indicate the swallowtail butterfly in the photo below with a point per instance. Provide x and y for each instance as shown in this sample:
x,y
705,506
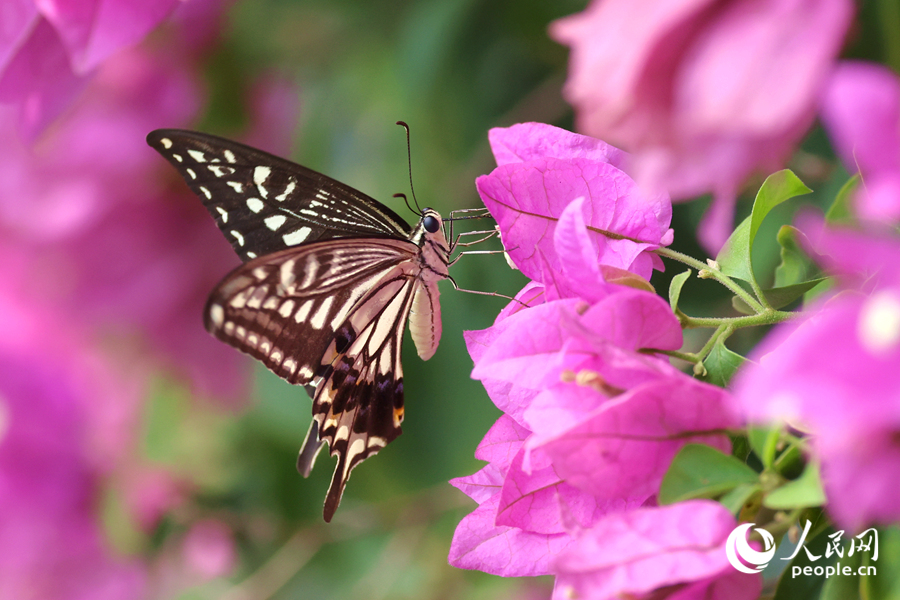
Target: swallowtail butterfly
x,y
329,278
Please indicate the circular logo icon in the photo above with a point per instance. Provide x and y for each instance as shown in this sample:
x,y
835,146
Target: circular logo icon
x,y
738,549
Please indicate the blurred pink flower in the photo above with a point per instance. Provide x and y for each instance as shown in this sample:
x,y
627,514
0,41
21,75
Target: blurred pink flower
x,y
837,375
49,47
861,111
702,93
670,552
541,171
209,549
52,546
575,443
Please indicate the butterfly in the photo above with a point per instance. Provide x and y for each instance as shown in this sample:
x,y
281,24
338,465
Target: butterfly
x,y
330,277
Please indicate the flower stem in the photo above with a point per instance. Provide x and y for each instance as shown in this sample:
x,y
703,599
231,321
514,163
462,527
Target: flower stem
x,y
715,274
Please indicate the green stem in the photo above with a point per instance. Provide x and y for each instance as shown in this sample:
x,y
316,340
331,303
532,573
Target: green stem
x,y
759,294
685,356
707,348
767,316
715,274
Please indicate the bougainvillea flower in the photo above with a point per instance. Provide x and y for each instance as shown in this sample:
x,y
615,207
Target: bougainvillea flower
x,y
702,93
670,552
616,451
479,543
571,449
54,447
48,48
837,375
541,170
861,111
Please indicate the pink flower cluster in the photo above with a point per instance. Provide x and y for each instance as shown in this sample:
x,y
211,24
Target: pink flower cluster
x,y
592,416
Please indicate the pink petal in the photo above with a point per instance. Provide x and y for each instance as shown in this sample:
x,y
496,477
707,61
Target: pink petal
x,y
92,30
634,319
506,551
527,199
19,19
532,500
618,452
39,80
635,552
524,142
861,111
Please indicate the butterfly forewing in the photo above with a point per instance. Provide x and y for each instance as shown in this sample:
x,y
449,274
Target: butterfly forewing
x,y
263,203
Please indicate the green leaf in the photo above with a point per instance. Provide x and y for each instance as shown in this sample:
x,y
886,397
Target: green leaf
x,y
803,492
795,264
764,442
701,471
721,364
675,289
779,297
886,584
735,257
840,211
843,587
735,499
803,587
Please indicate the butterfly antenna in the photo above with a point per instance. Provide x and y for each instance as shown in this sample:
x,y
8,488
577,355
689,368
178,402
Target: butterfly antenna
x,y
409,160
407,202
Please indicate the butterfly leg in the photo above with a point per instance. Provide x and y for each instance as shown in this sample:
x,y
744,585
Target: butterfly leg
x,y
480,293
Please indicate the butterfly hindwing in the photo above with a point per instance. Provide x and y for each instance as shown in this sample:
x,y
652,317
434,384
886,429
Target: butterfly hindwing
x,y
359,404
263,204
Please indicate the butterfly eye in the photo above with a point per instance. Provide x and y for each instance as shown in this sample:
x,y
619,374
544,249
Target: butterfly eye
x,y
431,224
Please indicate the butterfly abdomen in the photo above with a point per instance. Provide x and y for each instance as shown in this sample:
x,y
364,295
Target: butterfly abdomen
x,y
425,320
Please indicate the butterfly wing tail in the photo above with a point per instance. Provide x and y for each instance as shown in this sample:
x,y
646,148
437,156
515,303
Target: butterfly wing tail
x,y
310,450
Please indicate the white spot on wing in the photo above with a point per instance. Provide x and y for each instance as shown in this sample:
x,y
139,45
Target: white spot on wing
x,y
217,314
197,155
274,222
206,193
297,236
251,255
229,156
166,142
237,236
255,204
290,188
238,187
286,308
224,213
178,157
260,174
191,173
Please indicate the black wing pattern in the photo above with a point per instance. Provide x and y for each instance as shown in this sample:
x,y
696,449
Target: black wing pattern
x,y
263,203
